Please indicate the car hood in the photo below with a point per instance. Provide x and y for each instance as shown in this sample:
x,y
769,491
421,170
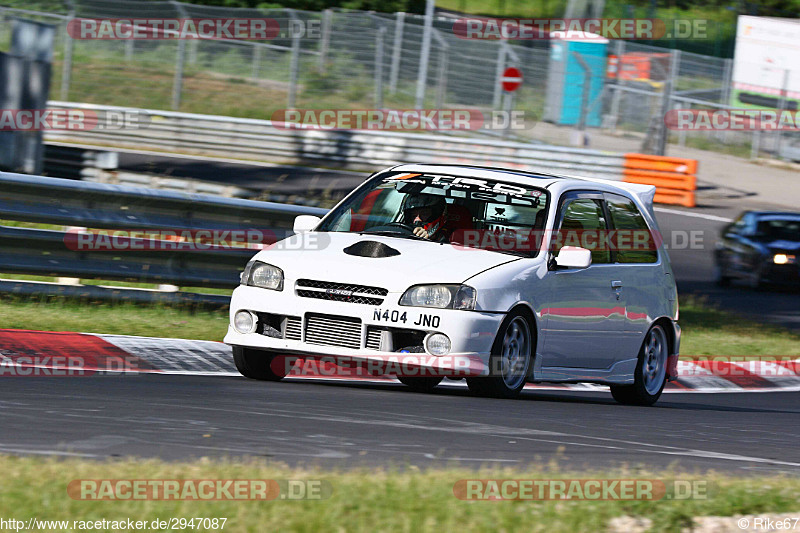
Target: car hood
x,y
783,246
388,262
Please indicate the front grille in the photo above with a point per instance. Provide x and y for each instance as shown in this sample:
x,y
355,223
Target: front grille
x,y
292,329
332,330
373,339
340,292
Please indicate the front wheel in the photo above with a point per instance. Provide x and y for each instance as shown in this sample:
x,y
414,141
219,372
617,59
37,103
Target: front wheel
x,y
720,276
257,364
651,371
512,355
420,384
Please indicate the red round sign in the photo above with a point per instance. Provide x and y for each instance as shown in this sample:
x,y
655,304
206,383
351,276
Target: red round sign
x,y
512,79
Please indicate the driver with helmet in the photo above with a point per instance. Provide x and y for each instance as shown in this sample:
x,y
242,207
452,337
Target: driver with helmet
x,y
426,213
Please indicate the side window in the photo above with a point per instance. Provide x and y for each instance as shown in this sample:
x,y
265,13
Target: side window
x,y
583,224
633,240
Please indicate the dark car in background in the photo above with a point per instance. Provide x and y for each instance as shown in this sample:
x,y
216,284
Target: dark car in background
x,y
760,248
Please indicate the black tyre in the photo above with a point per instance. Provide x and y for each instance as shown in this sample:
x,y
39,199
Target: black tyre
x,y
420,384
651,371
756,279
720,276
257,364
511,359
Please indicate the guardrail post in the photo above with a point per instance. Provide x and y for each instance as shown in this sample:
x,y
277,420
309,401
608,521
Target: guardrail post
x,y
781,108
256,61
177,83
66,66
422,78
666,102
755,147
682,132
396,51
620,51
441,90
193,44
325,41
293,65
498,73
129,49
379,67
580,139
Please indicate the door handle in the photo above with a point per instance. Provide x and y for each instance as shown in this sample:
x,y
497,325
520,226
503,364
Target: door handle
x,y
616,284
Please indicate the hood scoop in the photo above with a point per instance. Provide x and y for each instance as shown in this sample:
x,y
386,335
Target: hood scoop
x,y
371,249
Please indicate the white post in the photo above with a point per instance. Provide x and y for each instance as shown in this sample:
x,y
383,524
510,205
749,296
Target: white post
x,y
396,51
379,67
498,73
422,78
326,38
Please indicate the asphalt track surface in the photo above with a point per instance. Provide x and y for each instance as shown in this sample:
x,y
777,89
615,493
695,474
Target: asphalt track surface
x,y
178,417
344,425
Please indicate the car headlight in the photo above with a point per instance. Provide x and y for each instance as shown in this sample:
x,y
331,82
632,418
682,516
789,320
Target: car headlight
x,y
783,259
440,296
258,274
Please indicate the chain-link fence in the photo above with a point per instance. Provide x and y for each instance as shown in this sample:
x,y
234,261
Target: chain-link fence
x,y
348,59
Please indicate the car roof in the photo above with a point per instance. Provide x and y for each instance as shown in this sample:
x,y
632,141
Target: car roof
x,y
775,215
535,179
510,175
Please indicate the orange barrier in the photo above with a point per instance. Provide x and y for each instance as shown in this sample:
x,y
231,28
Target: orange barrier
x,y
674,177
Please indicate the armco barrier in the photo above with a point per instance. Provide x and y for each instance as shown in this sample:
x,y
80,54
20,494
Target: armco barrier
x,y
371,150
358,150
674,177
95,205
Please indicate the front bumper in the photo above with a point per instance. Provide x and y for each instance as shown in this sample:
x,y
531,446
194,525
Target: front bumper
x,y
471,333
788,274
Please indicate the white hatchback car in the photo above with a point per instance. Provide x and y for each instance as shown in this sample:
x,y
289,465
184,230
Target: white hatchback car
x,y
502,276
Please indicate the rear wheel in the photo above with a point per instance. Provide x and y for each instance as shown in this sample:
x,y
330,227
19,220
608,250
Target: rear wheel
x,y
651,371
511,359
257,364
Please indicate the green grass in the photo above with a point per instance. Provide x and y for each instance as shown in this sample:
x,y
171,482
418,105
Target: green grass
x,y
405,499
708,331
59,314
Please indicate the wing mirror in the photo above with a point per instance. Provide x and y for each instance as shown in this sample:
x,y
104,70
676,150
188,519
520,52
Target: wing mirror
x,y
573,257
304,223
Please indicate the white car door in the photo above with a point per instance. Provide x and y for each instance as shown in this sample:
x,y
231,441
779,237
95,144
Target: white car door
x,y
585,311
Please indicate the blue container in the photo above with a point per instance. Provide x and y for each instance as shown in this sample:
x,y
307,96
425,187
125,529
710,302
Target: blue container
x,y
566,80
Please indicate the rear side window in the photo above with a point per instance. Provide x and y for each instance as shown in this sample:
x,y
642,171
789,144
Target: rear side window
x,y
583,221
635,243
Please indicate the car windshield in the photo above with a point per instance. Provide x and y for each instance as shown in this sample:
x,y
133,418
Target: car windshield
x,y
493,215
783,228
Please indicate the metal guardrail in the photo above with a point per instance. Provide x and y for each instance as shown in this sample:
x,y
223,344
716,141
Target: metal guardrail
x,y
94,205
359,150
